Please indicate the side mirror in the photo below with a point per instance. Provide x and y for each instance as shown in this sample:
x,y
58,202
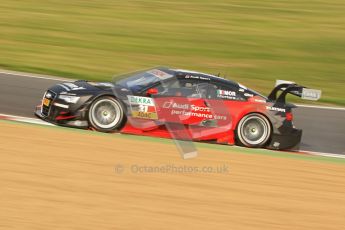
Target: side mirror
x,y
151,91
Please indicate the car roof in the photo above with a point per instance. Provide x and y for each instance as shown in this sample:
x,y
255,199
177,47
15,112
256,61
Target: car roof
x,y
183,72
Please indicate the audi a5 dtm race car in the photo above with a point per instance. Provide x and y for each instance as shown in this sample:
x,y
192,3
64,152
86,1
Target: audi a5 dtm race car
x,y
181,104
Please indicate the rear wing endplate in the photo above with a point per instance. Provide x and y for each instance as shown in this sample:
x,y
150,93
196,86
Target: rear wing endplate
x,y
294,89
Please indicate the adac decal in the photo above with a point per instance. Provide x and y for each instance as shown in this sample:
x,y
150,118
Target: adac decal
x,y
142,107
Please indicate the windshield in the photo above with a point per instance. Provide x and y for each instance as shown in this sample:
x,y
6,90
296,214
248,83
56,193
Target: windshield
x,y
140,80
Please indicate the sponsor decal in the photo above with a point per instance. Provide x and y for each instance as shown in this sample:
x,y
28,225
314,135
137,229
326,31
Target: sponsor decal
x,y
190,110
226,94
311,94
197,77
204,76
191,114
48,95
104,84
135,100
248,95
61,105
142,107
167,104
70,86
200,108
145,115
260,100
276,144
46,102
198,114
191,76
73,86
171,104
160,74
275,109
242,86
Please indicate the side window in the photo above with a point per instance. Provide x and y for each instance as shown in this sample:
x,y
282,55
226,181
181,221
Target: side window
x,y
207,90
180,87
163,87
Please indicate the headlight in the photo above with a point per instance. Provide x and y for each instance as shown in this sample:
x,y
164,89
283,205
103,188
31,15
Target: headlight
x,y
69,99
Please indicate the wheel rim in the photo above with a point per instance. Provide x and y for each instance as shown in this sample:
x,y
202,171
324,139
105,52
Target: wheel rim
x,y
106,113
254,130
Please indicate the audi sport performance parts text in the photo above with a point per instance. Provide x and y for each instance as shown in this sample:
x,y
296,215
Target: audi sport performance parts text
x,y
173,103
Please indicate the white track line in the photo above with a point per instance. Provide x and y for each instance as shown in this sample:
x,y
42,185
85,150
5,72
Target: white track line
x,y
321,107
41,122
24,119
30,75
334,155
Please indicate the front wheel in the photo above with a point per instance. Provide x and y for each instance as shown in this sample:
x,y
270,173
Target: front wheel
x,y
253,130
106,114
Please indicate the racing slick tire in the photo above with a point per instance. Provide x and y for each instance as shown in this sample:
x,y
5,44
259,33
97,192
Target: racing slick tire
x,y
254,130
106,114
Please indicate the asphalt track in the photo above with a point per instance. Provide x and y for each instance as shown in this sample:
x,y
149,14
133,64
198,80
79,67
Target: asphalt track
x,y
323,128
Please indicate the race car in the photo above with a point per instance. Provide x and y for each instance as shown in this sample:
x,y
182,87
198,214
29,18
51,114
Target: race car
x,y
174,103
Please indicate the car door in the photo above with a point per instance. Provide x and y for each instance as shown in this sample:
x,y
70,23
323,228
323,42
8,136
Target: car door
x,y
181,102
176,101
194,103
219,121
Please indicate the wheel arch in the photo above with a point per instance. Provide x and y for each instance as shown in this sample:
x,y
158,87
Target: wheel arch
x,y
255,112
104,94
109,95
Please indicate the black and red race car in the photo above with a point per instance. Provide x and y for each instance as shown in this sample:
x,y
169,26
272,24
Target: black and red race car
x,y
181,104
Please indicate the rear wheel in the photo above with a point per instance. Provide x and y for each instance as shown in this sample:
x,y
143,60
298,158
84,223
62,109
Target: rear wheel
x,y
253,130
106,114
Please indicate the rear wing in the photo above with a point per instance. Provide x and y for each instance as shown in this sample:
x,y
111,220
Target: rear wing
x,y
294,89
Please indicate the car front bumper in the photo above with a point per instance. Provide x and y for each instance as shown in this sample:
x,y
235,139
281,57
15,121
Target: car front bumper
x,y
60,117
